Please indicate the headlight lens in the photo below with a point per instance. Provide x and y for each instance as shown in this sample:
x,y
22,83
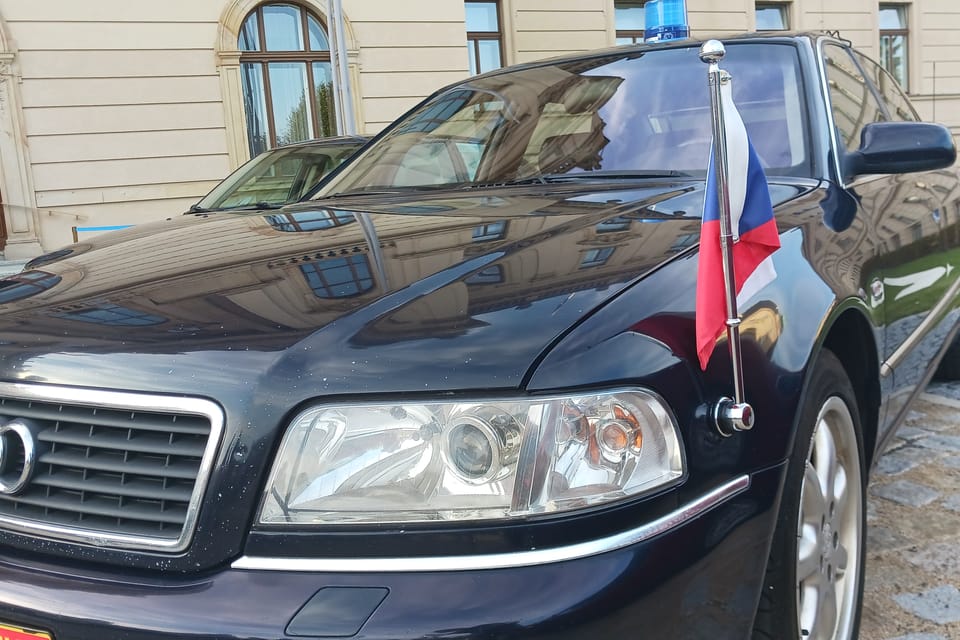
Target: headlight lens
x,y
405,462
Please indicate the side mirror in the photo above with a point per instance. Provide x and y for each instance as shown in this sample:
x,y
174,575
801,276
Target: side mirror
x,y
901,147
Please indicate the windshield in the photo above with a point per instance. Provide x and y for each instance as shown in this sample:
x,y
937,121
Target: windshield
x,y
646,113
276,177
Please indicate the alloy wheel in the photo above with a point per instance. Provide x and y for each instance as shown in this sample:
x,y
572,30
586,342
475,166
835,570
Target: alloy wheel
x,y
830,527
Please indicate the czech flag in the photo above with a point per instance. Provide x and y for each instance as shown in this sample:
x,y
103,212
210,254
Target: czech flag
x,y
754,229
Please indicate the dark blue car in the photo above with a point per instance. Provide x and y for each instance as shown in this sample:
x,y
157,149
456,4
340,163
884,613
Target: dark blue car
x,y
457,395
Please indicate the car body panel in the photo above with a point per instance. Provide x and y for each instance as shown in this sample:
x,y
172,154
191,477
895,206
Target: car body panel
x,y
712,570
419,307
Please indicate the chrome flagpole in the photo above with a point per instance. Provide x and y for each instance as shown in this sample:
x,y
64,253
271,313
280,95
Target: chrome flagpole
x,y
730,415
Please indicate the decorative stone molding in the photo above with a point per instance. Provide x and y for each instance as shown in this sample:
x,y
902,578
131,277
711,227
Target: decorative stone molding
x,y
228,66
16,177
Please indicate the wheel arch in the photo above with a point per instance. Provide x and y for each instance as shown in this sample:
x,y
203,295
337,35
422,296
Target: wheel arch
x,y
850,337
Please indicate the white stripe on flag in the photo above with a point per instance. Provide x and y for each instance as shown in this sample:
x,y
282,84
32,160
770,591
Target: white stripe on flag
x,y
738,156
763,275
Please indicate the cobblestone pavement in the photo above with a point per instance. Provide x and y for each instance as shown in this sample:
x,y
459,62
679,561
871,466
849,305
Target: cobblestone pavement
x,y
913,551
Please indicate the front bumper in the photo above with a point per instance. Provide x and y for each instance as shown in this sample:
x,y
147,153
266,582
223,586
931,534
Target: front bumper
x,y
700,577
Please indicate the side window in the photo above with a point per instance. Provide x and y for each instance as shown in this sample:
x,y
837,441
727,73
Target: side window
x,y
853,102
898,105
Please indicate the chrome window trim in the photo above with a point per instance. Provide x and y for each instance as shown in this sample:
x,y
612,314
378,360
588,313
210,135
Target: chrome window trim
x,y
828,103
96,398
933,318
533,557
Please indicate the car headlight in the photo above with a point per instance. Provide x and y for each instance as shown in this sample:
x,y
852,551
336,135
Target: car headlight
x,y
407,462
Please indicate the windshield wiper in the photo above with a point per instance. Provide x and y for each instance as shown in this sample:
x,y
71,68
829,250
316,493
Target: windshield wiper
x,y
356,193
416,188
257,206
555,178
493,184
614,175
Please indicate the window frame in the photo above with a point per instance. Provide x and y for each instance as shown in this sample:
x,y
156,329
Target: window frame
x,y
595,257
904,11
361,276
110,314
492,274
838,146
307,56
637,36
782,7
473,37
310,221
614,225
489,231
27,283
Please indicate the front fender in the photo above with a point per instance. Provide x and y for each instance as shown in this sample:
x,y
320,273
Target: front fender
x,y
646,336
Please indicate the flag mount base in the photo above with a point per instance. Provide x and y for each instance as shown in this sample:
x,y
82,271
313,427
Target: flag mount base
x,y
732,417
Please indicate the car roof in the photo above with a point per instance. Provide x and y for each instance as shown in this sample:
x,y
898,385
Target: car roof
x,y
761,36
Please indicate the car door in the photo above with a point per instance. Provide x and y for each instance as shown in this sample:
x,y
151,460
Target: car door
x,y
912,275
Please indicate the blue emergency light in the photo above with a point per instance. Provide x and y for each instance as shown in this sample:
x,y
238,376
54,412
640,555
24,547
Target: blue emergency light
x,y
665,20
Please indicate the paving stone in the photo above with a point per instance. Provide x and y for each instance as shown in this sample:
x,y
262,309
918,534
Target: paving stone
x,y
940,604
906,493
881,538
913,415
912,433
952,502
912,587
904,459
941,558
896,443
940,443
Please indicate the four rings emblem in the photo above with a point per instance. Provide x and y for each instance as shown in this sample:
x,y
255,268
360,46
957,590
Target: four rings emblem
x,y
18,457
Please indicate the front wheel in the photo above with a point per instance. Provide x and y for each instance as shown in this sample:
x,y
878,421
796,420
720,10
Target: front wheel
x,y
814,582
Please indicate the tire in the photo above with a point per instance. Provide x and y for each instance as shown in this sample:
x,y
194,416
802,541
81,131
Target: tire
x,y
813,588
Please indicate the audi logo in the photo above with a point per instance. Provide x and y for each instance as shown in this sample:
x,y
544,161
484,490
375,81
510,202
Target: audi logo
x,y
18,457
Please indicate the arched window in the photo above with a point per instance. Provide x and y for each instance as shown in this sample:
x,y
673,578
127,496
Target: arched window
x,y
286,75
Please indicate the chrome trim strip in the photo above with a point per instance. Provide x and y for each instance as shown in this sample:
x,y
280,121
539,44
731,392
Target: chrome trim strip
x,y
828,104
136,402
502,560
936,315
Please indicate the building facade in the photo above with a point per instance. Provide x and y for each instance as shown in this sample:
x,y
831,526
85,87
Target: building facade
x,y
116,112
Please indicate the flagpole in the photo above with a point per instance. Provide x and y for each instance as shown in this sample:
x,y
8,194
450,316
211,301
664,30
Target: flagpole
x,y
730,415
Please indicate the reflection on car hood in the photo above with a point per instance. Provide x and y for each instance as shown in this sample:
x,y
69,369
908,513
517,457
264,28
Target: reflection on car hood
x,y
406,294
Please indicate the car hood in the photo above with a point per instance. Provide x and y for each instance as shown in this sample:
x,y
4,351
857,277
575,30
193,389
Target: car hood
x,y
387,294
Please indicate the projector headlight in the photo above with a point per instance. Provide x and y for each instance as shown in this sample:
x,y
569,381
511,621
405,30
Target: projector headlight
x,y
406,462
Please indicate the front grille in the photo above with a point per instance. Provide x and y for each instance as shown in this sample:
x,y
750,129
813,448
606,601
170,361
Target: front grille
x,y
110,468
